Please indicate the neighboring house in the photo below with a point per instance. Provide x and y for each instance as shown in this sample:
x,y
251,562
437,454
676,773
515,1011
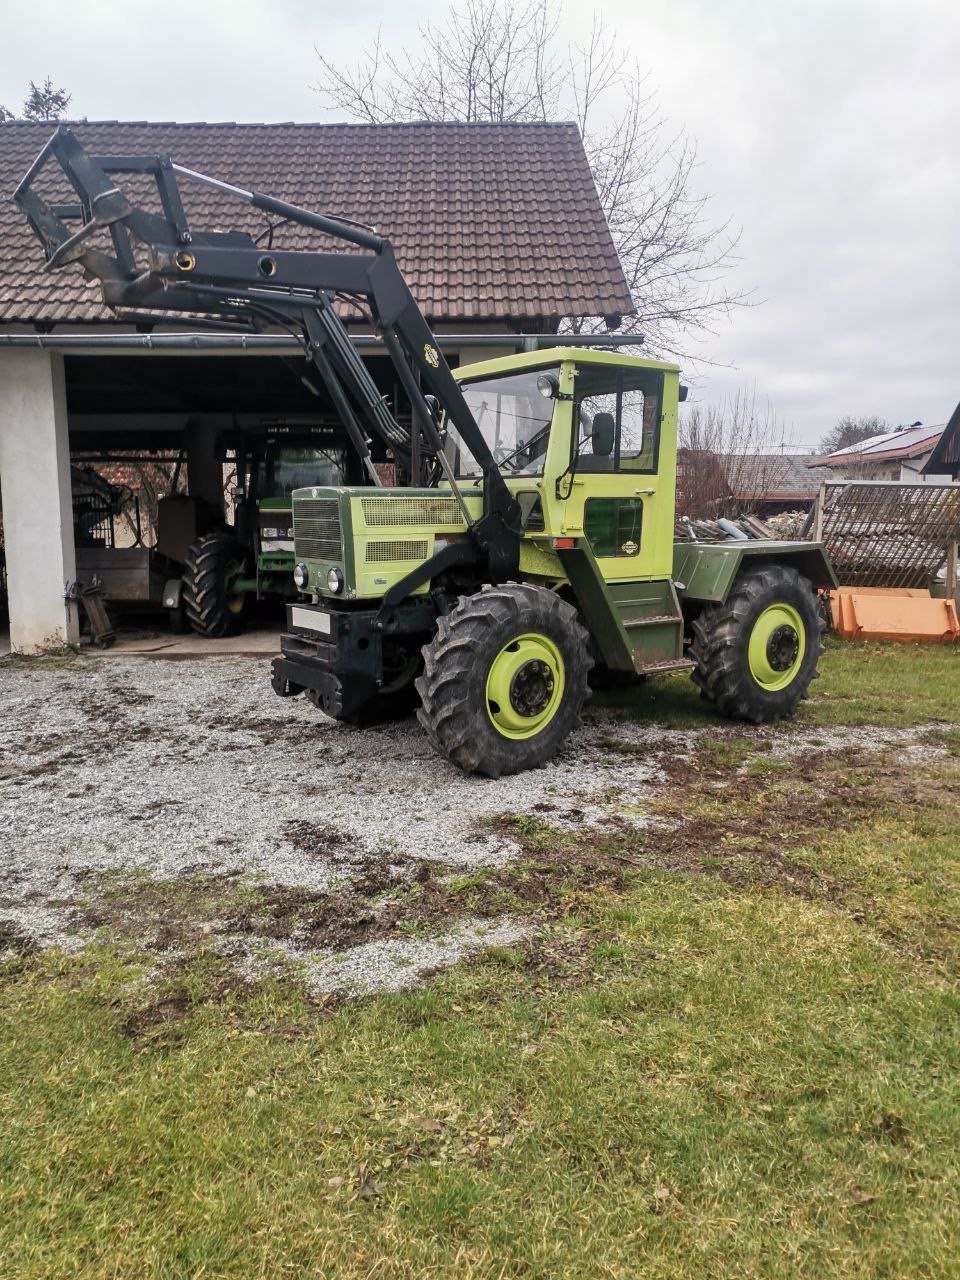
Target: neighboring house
x,y
765,484
896,455
769,483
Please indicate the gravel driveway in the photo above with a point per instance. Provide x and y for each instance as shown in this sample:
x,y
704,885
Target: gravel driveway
x,y
116,768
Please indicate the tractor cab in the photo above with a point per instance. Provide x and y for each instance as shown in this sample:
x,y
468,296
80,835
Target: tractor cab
x,y
581,438
274,473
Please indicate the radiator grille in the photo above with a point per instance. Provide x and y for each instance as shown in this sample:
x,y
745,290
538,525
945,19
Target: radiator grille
x,y
381,512
316,529
397,549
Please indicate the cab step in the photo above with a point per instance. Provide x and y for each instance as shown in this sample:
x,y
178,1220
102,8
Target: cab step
x,y
656,620
670,664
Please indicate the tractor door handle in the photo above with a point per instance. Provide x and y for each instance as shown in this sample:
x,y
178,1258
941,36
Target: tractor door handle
x,y
648,492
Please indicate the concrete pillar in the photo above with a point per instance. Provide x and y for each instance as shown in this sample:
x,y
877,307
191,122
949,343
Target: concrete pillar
x,y
37,508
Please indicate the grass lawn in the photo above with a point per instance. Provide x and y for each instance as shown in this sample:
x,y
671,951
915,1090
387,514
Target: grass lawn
x,y
731,1050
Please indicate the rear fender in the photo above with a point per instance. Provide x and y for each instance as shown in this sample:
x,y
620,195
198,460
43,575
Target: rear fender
x,y
705,572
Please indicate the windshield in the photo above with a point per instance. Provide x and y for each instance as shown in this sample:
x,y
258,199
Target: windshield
x,y
285,469
515,421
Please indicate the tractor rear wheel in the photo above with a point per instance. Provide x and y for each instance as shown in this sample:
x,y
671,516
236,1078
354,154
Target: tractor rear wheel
x,y
757,653
504,679
213,563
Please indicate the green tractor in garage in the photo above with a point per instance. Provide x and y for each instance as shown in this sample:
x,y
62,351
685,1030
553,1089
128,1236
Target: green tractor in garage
x,y
534,543
231,566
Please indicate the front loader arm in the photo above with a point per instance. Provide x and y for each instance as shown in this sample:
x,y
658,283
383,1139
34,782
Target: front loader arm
x,y
159,264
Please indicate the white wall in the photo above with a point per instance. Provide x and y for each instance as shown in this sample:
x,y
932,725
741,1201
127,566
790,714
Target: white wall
x,y
37,511
910,472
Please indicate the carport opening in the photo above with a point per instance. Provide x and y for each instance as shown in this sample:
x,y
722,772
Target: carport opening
x,y
169,450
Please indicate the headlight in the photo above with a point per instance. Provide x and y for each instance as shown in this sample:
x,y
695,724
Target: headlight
x,y
335,581
548,385
301,576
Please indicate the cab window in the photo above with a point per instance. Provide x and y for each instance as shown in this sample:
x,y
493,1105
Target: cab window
x,y
633,398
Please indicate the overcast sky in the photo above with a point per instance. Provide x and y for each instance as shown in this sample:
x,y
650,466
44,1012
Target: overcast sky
x,y
827,130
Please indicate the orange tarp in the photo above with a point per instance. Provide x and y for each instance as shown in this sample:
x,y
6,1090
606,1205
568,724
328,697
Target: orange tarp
x,y
879,613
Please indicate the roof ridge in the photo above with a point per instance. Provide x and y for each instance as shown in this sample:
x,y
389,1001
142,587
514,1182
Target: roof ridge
x,y
299,124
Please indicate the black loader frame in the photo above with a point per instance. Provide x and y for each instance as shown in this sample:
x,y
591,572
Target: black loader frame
x,y
148,262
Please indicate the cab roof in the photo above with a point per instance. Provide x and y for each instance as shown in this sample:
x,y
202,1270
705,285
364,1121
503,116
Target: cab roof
x,y
551,356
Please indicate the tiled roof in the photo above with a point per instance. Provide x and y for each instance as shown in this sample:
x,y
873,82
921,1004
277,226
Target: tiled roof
x,y
488,221
786,476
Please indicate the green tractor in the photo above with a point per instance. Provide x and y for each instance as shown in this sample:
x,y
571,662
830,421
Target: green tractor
x,y
532,545
585,443
232,565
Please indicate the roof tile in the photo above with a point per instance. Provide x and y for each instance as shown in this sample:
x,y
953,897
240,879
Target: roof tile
x,y
487,221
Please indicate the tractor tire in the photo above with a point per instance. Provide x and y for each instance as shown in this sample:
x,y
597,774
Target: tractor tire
x,y
210,607
504,679
757,653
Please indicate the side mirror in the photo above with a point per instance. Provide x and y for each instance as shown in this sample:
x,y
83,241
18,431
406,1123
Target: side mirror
x,y
603,433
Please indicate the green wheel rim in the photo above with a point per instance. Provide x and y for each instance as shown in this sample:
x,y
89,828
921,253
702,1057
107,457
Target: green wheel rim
x,y
777,646
525,686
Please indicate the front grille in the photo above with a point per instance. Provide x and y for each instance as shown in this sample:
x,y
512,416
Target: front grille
x,y
399,549
434,512
316,529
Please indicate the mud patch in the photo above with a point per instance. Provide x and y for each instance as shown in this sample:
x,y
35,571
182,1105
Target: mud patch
x,y
14,941
155,1016
743,829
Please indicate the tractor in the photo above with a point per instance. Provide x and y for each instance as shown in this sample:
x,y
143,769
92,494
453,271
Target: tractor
x,y
530,547
231,565
585,442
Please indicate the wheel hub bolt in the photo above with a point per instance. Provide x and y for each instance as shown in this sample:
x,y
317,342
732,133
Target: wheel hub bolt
x,y
782,648
531,688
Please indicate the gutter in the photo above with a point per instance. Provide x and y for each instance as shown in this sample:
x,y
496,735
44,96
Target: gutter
x,y
268,343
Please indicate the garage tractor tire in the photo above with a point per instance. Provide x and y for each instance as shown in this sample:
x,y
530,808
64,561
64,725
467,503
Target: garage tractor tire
x,y
757,653
504,679
212,610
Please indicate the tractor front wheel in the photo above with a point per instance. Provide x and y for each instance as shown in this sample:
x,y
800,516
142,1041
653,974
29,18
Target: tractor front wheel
x,y
504,679
757,653
213,607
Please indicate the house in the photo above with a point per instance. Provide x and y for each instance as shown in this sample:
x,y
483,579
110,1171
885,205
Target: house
x,y
498,229
765,484
769,483
896,455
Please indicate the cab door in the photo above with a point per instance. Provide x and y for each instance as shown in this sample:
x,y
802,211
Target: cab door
x,y
620,494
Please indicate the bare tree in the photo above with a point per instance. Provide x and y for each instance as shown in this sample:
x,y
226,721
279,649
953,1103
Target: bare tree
x,y
43,102
504,61
730,456
850,430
